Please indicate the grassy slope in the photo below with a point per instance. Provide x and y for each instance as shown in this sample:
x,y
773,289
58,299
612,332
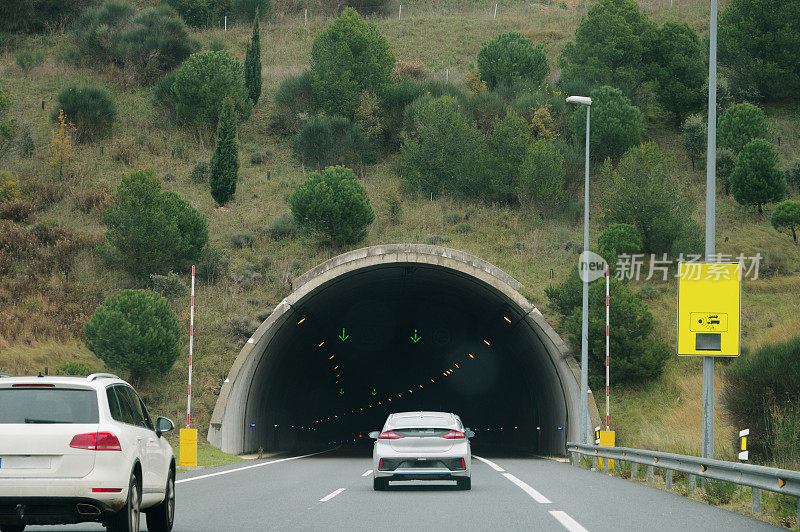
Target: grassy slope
x,y
663,415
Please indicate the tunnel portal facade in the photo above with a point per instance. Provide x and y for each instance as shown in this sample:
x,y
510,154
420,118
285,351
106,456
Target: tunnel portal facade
x,y
401,327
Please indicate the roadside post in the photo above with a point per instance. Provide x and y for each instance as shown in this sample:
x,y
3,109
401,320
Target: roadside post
x,y
188,436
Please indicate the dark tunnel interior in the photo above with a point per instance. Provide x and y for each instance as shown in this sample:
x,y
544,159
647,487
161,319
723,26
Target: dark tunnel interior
x,y
404,337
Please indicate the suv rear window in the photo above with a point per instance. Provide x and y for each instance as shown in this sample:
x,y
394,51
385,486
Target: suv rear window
x,y
48,405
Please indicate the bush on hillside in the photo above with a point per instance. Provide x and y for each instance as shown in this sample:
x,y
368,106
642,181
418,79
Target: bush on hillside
x,y
36,16
200,172
170,286
245,10
759,382
645,193
333,203
639,355
330,141
282,227
694,136
394,105
198,13
755,180
204,81
292,103
792,174
443,151
349,57
507,146
89,109
760,50
9,187
252,65
151,230
213,266
619,239
616,124
542,183
225,161
787,216
485,109
726,160
739,125
135,331
511,57
611,46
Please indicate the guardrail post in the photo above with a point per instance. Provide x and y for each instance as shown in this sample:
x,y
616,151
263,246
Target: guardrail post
x,y
756,500
650,474
692,483
634,470
668,479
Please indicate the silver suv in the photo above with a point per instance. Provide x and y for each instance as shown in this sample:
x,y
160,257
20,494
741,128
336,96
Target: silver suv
x,y
75,449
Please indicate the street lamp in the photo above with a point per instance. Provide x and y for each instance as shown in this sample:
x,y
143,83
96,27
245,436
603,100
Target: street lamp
x,y
584,420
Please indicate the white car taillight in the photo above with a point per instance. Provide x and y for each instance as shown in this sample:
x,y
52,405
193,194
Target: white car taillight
x,y
96,441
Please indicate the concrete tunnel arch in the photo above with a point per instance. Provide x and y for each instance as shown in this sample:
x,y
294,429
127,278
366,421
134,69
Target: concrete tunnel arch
x,y
279,390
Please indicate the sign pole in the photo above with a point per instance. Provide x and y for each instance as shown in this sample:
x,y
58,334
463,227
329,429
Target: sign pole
x,y
187,457
711,194
191,346
608,399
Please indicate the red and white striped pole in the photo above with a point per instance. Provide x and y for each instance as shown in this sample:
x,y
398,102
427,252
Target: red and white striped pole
x,y
608,415
191,345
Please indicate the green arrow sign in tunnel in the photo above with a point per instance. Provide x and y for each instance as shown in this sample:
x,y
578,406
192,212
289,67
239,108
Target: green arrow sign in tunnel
x,y
398,328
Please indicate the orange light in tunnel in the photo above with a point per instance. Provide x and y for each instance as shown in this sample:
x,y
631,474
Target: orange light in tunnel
x,y
420,386
471,356
361,409
433,380
301,320
389,399
370,406
330,357
321,343
335,367
379,402
486,342
507,319
457,366
398,395
409,391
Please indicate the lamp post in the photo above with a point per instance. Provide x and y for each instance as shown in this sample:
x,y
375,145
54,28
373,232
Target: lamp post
x,y
584,420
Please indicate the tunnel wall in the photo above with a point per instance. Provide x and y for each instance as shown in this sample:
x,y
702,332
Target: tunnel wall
x,y
227,429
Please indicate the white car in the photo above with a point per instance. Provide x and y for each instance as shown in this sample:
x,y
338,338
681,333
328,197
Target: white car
x,y
75,449
422,446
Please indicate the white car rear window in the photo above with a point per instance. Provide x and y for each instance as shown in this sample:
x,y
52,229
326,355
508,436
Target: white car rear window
x,y
48,405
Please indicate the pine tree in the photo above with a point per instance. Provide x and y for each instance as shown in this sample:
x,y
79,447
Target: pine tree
x,y
225,161
252,63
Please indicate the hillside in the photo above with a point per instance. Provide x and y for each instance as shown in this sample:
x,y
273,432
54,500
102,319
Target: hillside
x,y
38,329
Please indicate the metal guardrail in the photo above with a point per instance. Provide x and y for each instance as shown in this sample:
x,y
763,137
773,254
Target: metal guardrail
x,y
757,477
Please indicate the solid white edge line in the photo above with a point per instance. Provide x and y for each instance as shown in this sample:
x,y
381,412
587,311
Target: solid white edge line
x,y
538,497
568,522
246,467
489,463
367,473
332,495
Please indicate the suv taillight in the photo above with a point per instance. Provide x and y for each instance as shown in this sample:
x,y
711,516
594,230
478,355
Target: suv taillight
x,y
96,441
454,435
389,435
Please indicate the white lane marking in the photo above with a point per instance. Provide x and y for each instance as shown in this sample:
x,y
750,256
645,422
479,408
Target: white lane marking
x,y
489,463
331,495
246,467
568,522
367,473
538,497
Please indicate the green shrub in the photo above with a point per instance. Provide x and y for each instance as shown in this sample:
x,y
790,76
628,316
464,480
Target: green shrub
x,y
510,57
640,356
333,203
225,161
37,16
719,492
348,58
443,151
507,147
330,141
198,13
755,180
616,124
792,174
757,382
542,178
9,187
726,160
739,125
619,239
611,46
213,266
170,286
759,51
135,331
200,172
486,109
90,109
292,103
398,97
787,216
694,136
28,58
282,227
252,65
77,369
645,193
245,10
203,82
242,240
153,231
150,43
783,433
18,210
216,45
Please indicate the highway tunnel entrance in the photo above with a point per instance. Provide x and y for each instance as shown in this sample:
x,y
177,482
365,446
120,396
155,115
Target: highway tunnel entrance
x,y
398,328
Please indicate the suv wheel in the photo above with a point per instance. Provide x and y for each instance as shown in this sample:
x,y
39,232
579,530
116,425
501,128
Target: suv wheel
x,y
127,519
161,517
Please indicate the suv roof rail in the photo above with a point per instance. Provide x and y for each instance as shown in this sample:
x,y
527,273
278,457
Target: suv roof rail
x,y
94,376
2,374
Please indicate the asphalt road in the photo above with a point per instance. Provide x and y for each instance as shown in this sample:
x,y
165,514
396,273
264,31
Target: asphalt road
x,y
333,491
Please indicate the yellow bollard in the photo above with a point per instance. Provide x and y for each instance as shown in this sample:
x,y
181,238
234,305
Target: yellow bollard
x,y
188,448
607,439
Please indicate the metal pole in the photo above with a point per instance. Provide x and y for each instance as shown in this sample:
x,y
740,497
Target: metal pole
x,y
400,12
495,11
711,195
608,400
191,345
585,321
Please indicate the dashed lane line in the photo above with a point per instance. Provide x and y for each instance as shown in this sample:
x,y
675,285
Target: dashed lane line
x,y
538,497
246,467
489,463
568,522
367,473
331,495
